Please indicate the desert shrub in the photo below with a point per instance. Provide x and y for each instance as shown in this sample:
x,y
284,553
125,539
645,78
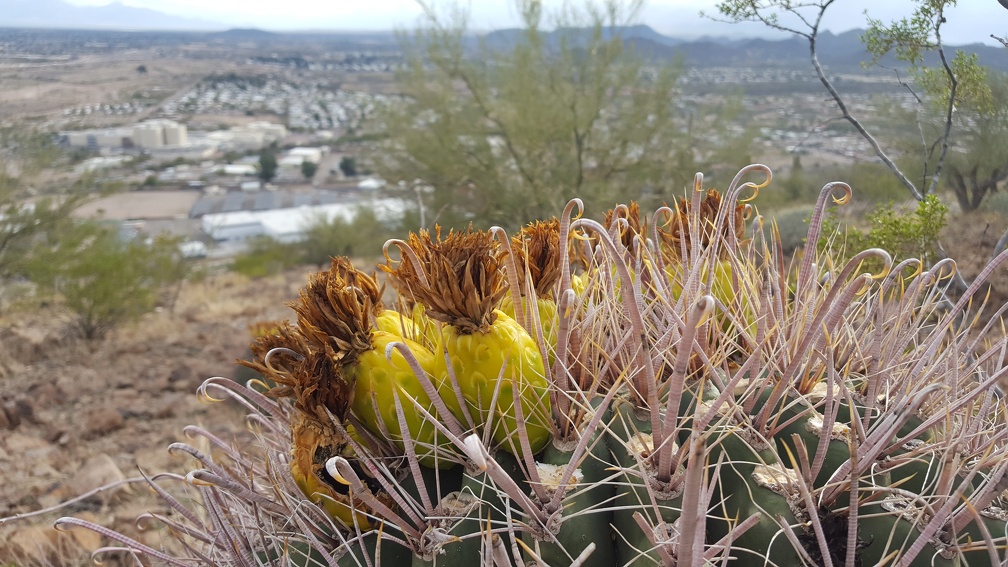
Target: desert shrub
x,y
997,203
792,224
266,256
99,278
361,237
912,234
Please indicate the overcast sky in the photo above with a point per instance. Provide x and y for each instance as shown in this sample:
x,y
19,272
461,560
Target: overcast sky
x,y
970,21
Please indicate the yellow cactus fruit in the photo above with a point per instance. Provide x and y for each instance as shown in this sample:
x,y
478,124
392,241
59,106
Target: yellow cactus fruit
x,y
313,444
677,238
459,281
477,359
343,308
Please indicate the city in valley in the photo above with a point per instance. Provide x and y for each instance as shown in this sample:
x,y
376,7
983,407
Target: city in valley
x,y
180,120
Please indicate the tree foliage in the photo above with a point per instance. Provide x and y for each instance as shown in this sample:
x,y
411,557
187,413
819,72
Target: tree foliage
x,y
267,165
348,166
977,161
27,212
511,128
955,81
101,279
308,169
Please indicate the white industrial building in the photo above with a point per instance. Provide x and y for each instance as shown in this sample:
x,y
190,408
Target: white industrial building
x,y
237,169
148,135
151,134
289,224
160,133
313,155
176,134
249,137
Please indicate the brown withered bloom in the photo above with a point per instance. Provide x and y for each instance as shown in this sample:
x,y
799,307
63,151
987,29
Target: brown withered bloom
x,y
293,346
264,328
464,269
635,225
677,232
337,309
538,253
308,375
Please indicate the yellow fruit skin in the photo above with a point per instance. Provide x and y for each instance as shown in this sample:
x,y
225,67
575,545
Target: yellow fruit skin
x,y
579,283
722,289
335,504
547,318
395,323
477,360
372,373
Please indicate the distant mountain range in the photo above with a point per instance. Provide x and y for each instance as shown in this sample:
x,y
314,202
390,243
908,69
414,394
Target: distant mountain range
x,y
115,16
839,51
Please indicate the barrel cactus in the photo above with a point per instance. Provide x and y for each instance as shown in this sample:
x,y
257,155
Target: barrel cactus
x,y
657,390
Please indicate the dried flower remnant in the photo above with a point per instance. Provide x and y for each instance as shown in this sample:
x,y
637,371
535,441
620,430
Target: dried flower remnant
x,y
685,224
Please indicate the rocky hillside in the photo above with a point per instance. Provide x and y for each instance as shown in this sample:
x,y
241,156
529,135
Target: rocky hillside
x,y
75,416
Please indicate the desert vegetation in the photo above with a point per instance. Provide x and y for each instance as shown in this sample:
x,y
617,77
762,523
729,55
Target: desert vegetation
x,y
664,382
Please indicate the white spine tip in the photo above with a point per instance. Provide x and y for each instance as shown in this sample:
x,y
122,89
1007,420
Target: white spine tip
x,y
333,467
473,449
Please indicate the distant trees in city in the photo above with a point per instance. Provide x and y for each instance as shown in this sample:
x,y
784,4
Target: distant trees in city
x,y
141,69
348,166
267,165
308,169
511,128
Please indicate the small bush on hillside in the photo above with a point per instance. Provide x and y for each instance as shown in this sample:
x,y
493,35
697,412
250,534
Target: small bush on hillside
x,y
792,224
904,234
265,257
361,237
102,280
997,203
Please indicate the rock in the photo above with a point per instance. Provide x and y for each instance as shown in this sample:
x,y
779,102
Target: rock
x,y
165,407
33,541
7,421
99,471
46,394
27,446
181,373
13,413
99,421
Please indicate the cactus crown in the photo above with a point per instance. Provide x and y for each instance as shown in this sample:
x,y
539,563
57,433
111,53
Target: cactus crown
x,y
337,308
466,266
538,253
677,236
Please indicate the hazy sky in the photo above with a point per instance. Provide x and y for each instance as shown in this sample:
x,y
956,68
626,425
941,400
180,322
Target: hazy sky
x,y
971,20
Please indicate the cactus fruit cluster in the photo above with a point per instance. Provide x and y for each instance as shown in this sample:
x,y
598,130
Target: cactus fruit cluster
x,y
654,389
